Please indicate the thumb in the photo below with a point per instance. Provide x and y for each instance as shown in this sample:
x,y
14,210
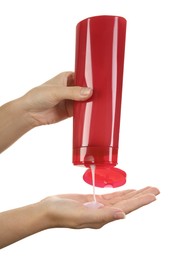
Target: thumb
x,y
76,93
111,214
97,218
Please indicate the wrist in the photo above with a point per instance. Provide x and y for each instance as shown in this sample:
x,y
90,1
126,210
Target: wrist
x,y
14,122
22,110
55,213
41,213
48,216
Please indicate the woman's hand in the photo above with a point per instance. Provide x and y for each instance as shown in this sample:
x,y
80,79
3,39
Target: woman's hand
x,y
68,210
48,103
53,101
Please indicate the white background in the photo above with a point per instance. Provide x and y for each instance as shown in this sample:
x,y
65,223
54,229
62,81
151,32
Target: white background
x,y
37,41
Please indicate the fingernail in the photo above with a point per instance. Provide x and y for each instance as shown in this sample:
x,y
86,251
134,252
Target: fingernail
x,y
85,91
119,215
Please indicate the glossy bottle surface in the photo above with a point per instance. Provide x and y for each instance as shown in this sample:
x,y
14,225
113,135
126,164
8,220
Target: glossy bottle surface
x,y
99,62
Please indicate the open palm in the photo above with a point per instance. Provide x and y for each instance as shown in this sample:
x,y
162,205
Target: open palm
x,y
127,200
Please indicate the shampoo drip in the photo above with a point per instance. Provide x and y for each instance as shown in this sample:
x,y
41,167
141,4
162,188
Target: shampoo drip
x,y
94,203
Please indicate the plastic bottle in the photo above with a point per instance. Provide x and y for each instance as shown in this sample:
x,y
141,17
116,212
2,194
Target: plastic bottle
x,y
99,62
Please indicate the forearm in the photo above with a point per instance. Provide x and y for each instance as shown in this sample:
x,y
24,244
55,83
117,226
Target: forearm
x,y
19,223
14,122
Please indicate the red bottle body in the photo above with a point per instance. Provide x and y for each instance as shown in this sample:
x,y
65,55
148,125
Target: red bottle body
x,y
99,62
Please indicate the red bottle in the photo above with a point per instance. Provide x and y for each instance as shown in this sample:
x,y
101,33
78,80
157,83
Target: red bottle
x,y
99,62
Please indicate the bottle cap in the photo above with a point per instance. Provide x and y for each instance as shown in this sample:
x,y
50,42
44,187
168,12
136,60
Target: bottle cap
x,y
106,177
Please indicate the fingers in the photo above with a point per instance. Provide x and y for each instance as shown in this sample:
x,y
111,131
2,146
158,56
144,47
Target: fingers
x,y
130,200
138,193
136,199
136,203
115,197
131,193
117,194
147,190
